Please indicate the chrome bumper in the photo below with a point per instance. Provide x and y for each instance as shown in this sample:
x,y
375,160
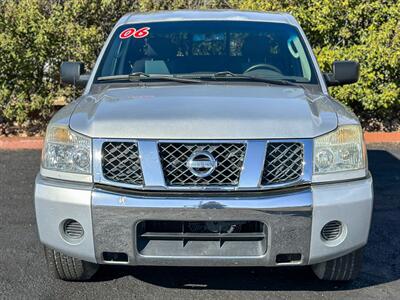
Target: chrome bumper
x,y
293,220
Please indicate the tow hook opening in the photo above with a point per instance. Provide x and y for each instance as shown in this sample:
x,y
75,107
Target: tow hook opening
x,y
288,258
115,257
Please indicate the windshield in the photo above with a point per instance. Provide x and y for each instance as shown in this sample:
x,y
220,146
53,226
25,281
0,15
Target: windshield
x,y
192,48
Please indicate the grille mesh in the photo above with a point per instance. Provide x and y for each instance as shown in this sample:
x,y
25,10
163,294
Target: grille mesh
x,y
229,159
283,163
121,163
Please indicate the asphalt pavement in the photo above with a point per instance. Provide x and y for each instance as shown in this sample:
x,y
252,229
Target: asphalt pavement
x,y
23,271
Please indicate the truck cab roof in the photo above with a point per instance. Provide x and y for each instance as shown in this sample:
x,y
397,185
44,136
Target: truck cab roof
x,y
202,15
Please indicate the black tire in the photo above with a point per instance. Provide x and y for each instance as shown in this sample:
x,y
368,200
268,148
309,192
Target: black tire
x,y
68,268
344,268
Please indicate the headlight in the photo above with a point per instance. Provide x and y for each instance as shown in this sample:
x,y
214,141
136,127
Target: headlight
x,y
341,150
67,151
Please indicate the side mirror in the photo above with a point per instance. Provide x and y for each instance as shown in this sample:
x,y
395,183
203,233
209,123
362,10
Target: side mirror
x,y
344,72
73,73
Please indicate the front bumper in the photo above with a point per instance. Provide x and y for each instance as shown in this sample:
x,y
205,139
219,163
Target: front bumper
x,y
293,220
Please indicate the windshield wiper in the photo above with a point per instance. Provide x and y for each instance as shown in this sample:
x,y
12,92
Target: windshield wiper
x,y
229,74
140,76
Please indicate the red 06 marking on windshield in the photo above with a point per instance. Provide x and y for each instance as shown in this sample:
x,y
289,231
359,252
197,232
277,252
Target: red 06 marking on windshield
x,y
137,34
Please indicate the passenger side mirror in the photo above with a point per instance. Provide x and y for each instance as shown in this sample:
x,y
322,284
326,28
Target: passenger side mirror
x,y
74,73
344,72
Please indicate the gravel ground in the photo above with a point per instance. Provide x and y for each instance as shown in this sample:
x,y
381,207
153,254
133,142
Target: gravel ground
x,y
23,272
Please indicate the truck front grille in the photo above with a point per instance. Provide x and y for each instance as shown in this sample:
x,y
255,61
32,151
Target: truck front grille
x,y
228,156
202,165
284,162
121,163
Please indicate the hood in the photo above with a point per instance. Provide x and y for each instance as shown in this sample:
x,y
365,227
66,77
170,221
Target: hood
x,y
204,112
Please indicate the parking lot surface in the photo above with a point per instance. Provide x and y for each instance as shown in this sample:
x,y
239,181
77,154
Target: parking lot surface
x,y
23,271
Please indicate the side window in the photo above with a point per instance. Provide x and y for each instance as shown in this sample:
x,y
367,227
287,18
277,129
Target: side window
x,y
265,44
181,42
209,44
236,40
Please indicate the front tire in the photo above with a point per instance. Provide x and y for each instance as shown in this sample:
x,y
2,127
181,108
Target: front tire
x,y
344,268
68,268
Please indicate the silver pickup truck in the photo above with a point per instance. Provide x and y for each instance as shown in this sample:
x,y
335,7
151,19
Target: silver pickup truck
x,y
205,138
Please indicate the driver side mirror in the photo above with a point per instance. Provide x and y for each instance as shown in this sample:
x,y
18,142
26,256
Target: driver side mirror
x,y
74,73
344,72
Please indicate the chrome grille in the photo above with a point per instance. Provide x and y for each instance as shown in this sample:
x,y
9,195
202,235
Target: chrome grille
x,y
121,163
283,163
229,157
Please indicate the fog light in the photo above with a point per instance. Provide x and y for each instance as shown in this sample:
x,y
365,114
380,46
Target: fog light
x,y
332,230
72,229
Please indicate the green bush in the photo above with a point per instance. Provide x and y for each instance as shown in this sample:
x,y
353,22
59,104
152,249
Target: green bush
x,y
37,35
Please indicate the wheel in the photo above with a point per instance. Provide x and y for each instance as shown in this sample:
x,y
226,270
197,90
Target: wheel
x,y
68,268
344,268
